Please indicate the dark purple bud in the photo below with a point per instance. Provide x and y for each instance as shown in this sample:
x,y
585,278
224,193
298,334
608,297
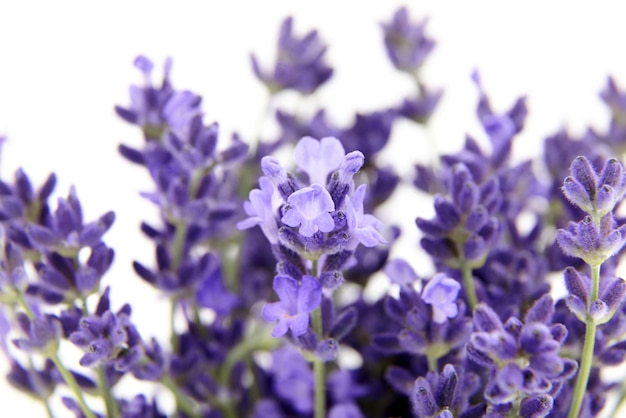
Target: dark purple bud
x,y
446,388
401,379
86,280
335,262
577,306
163,258
613,295
576,284
612,356
432,227
422,399
513,326
490,195
476,219
331,279
467,197
104,302
131,154
576,193
128,115
584,173
11,207
537,406
486,320
474,247
42,235
536,338
54,278
46,189
477,411
541,311
559,332
236,152
23,186
387,343
144,272
447,213
327,350
344,323
438,248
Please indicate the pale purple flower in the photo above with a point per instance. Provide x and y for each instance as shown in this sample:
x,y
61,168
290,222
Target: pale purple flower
x,y
310,209
400,272
297,301
363,227
319,158
261,209
441,293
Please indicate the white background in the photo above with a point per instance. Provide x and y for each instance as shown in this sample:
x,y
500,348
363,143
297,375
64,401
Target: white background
x,y
65,64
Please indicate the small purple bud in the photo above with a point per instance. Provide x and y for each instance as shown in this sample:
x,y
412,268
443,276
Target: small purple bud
x,y
537,406
422,399
541,311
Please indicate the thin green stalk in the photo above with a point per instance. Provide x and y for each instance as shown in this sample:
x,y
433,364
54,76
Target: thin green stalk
x,y
319,370
179,244
22,302
584,369
72,384
468,283
586,359
105,393
595,285
432,363
182,402
46,405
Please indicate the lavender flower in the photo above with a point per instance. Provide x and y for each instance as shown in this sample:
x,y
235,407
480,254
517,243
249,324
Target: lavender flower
x,y
300,62
596,194
314,219
591,242
297,301
406,42
523,357
440,293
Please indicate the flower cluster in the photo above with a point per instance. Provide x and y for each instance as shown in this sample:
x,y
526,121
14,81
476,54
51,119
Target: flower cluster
x,y
271,269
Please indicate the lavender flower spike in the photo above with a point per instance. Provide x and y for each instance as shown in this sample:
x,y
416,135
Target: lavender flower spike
x,y
406,43
297,301
441,293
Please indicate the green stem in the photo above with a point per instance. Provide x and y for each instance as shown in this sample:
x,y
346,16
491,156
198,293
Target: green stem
x,y
105,392
203,331
584,369
595,284
468,283
46,405
22,302
586,359
174,335
72,384
182,402
319,370
179,244
432,363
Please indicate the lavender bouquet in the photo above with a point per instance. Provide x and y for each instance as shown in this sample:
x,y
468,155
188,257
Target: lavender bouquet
x,y
268,250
